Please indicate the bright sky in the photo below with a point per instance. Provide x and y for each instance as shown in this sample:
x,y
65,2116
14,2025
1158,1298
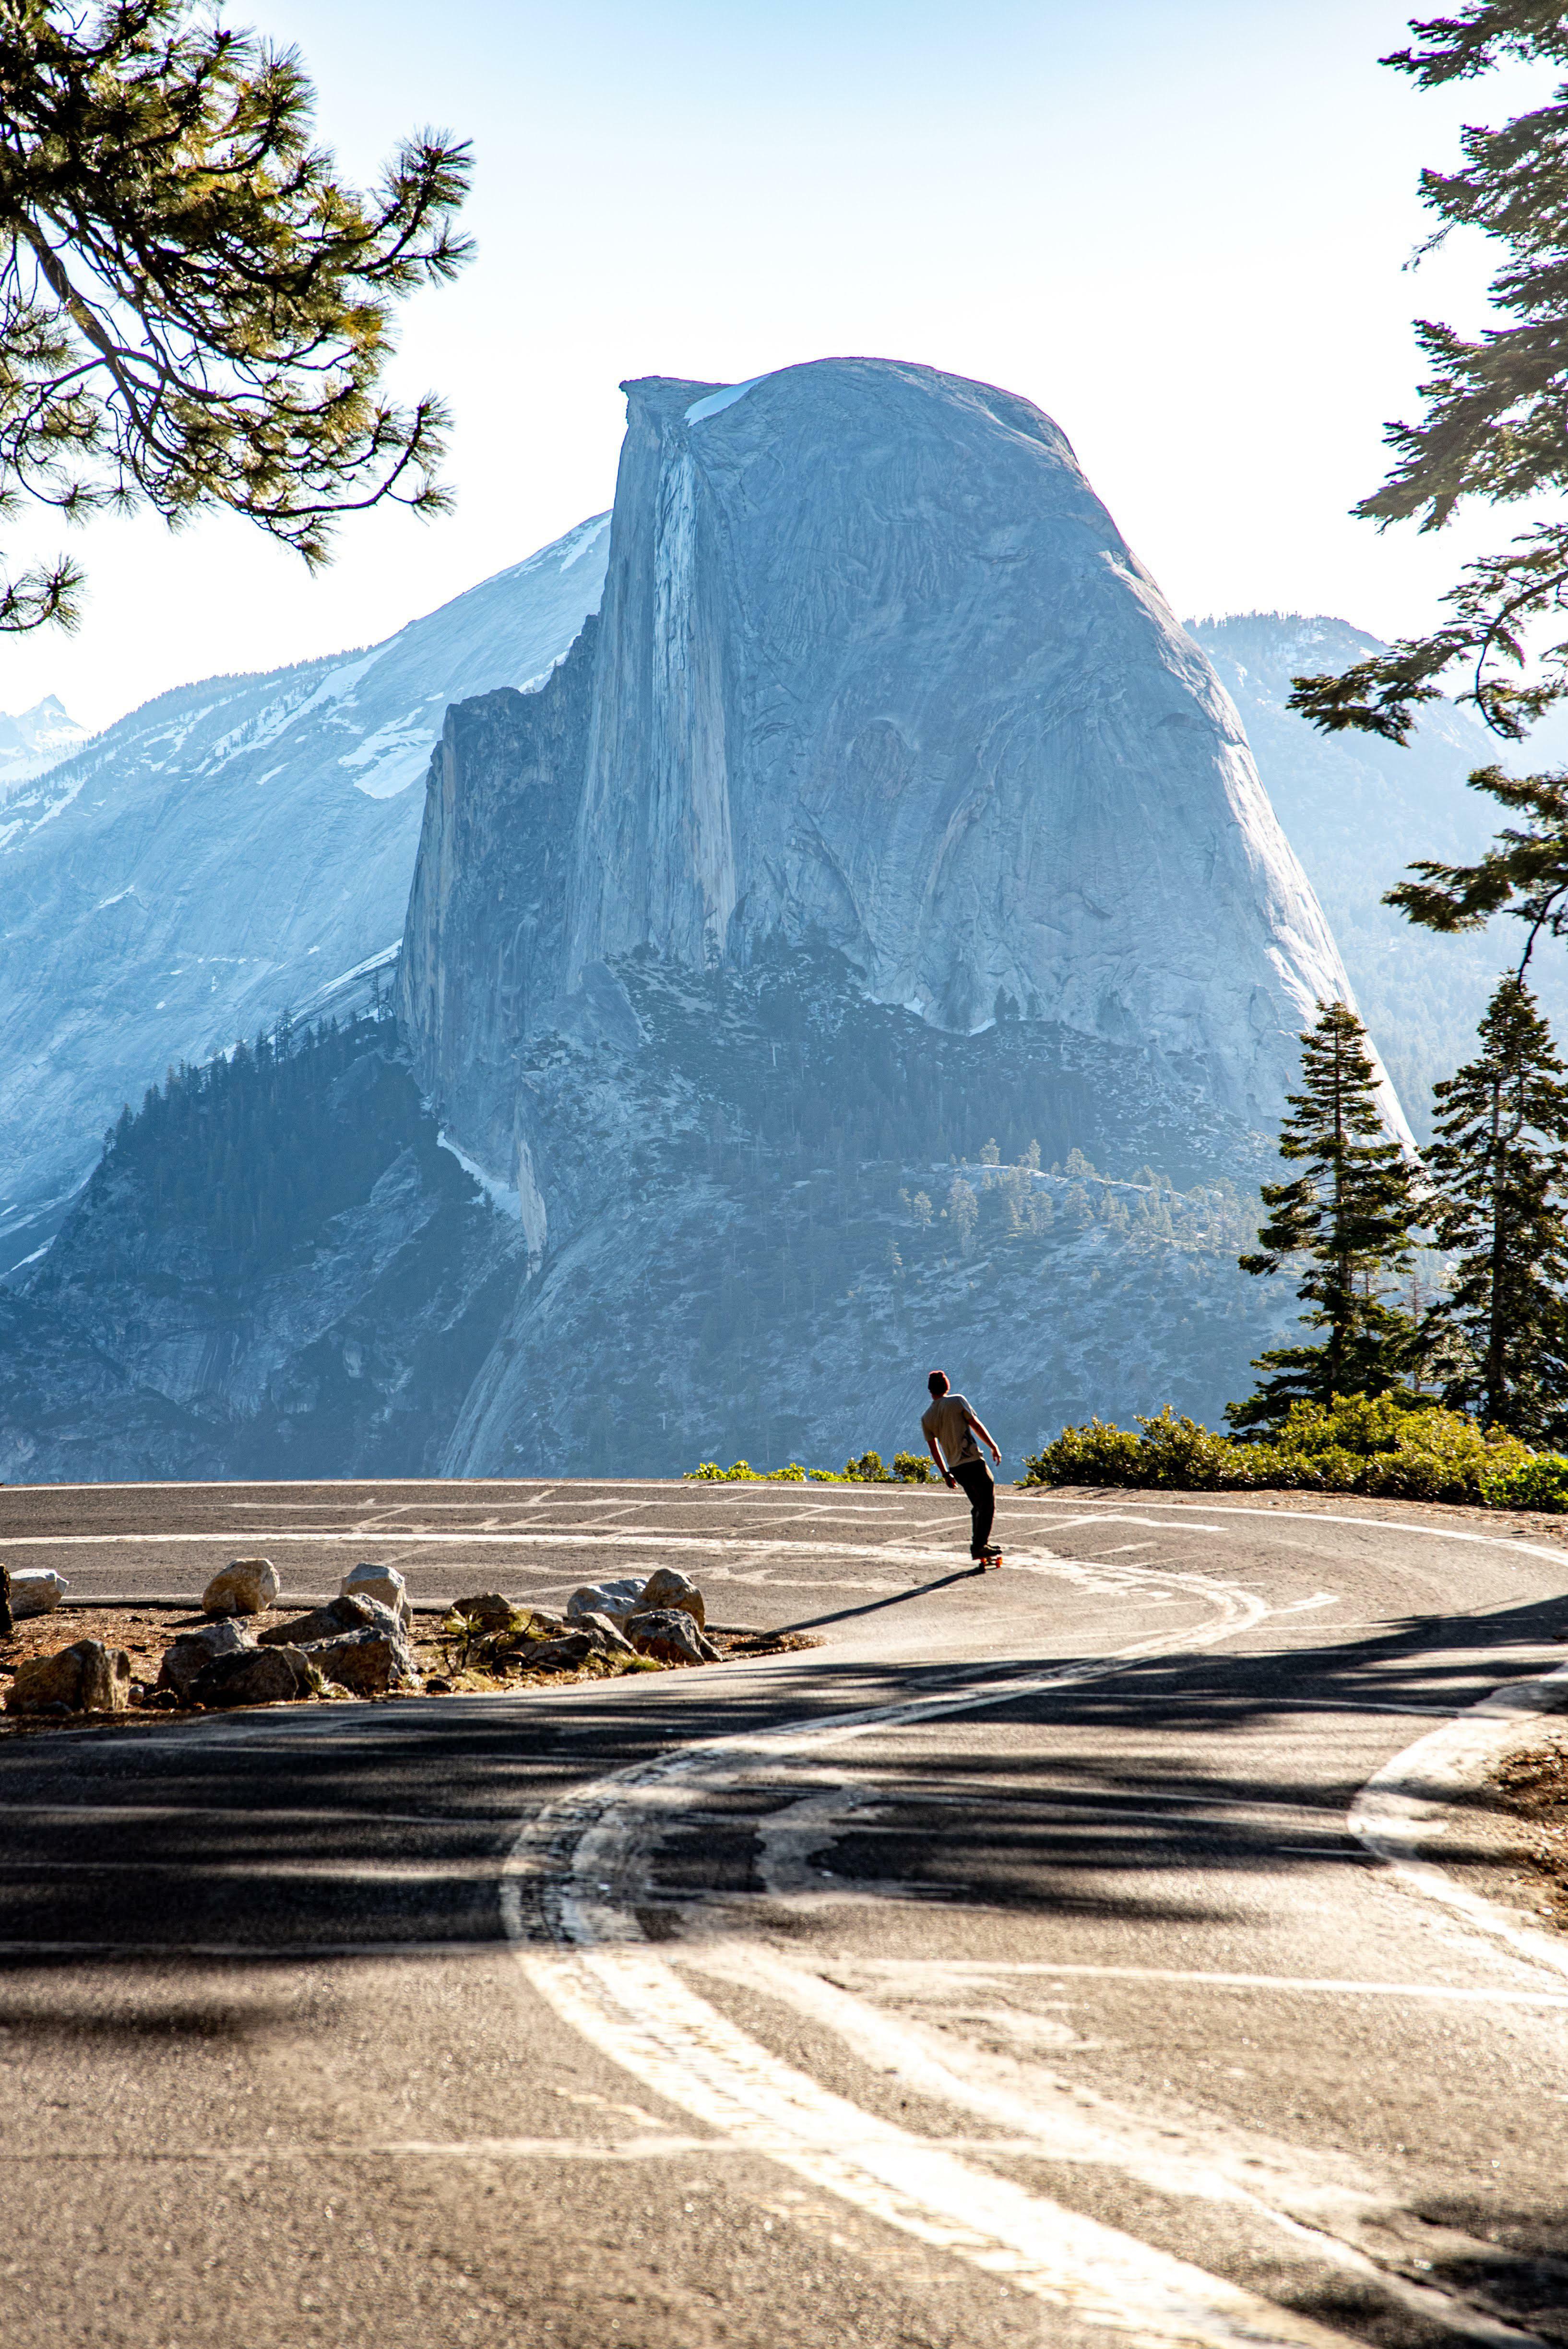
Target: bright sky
x,y
1182,230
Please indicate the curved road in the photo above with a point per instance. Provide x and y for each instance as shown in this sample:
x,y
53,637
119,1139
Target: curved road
x,y
1001,1970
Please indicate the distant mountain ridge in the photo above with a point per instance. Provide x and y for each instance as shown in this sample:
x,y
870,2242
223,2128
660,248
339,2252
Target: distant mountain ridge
x,y
236,849
37,740
1359,811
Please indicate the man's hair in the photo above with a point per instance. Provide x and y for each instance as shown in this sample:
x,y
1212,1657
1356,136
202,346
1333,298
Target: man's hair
x,y
937,1383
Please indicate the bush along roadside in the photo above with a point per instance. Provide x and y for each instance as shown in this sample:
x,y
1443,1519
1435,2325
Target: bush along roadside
x,y
908,1468
1357,1443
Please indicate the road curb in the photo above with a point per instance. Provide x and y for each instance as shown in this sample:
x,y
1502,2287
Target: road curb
x,y
1410,1803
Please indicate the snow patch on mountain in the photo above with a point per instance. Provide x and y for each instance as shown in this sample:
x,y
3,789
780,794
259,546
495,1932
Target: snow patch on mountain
x,y
188,876
37,740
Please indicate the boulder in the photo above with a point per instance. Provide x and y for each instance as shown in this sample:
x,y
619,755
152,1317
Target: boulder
x,y
613,1599
35,1590
489,1610
193,1651
383,1583
543,1625
607,1637
670,1634
668,1589
562,1655
246,1586
369,1663
326,1622
86,1678
252,1675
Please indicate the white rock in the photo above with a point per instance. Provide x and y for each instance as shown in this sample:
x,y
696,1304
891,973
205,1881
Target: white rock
x,y
616,1600
382,1584
245,1587
669,1589
36,1590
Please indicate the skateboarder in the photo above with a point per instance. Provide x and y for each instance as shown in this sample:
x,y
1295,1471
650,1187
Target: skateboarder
x,y
949,1428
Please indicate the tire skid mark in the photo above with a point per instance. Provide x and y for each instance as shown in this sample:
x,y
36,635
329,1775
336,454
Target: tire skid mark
x,y
564,1906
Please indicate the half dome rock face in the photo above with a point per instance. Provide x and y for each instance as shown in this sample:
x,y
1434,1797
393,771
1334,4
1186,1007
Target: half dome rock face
x,y
876,666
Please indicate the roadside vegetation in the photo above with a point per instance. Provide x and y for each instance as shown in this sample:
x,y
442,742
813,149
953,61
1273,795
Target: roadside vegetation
x,y
908,1468
1461,1397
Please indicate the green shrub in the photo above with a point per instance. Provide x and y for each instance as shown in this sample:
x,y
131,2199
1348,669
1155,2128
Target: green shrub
x,y
709,1472
1540,1482
1097,1454
1359,1443
1188,1457
912,1468
867,1470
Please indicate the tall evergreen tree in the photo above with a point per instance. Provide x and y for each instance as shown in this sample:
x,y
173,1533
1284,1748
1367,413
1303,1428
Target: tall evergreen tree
x,y
1500,1170
1347,1221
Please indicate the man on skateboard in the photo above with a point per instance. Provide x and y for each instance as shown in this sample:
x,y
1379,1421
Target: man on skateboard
x,y
949,1428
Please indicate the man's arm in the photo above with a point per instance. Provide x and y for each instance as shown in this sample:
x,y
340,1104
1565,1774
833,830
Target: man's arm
x,y
985,1436
942,1468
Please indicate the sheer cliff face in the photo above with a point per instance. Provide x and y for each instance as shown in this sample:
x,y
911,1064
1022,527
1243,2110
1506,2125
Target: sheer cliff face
x,y
884,815
876,665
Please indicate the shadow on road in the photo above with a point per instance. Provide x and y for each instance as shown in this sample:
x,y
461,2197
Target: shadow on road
x,y
355,1835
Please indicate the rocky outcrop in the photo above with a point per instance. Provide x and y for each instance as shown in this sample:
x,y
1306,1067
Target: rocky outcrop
x,y
876,665
869,945
874,668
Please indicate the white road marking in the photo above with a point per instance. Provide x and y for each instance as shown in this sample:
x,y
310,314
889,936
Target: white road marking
x,y
631,2002
1408,1805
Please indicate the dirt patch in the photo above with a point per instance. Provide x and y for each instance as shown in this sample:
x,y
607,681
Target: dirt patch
x,y
145,1631
1531,1787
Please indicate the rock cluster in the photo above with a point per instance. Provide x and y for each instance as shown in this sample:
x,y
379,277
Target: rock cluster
x,y
356,1644
665,1617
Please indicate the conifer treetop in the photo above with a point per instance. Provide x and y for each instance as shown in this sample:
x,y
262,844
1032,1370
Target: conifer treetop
x,y
195,307
1499,1166
1492,404
1346,1224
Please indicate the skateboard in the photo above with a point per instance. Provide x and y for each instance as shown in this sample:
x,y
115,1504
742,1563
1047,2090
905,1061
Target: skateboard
x,y
990,1557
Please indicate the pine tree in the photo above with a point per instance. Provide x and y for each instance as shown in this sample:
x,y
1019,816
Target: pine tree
x,y
1349,1218
195,307
1500,1170
1492,433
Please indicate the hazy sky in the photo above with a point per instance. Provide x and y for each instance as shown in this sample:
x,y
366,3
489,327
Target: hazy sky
x,y
1181,230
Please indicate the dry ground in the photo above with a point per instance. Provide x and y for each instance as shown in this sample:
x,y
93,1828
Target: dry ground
x,y
146,1629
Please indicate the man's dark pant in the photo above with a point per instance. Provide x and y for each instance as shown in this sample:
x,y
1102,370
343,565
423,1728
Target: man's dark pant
x,y
976,1479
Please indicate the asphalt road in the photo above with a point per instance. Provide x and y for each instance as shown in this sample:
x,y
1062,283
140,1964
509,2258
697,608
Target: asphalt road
x,y
1000,1972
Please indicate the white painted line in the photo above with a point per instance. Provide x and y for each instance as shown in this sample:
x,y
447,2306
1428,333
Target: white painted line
x,y
1409,1806
602,1977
